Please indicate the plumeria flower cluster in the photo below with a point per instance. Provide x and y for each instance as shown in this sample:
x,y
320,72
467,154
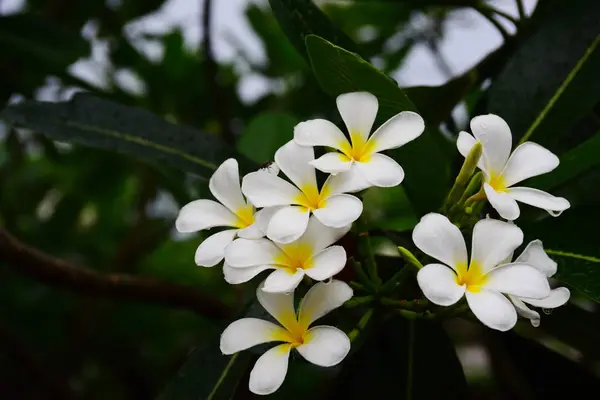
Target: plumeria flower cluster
x,y
280,219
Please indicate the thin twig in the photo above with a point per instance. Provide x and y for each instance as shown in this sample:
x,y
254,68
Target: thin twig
x,y
521,9
212,78
53,271
490,17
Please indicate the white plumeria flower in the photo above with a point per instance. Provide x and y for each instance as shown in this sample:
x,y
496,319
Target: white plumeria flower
x,y
358,110
311,255
535,256
323,345
333,208
501,172
232,210
485,279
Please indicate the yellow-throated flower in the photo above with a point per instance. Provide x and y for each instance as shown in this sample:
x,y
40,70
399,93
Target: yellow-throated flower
x,y
361,153
502,169
485,278
312,255
289,221
232,210
323,345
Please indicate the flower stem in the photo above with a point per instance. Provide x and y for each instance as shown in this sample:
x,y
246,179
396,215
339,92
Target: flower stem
x,y
353,334
405,304
409,257
464,176
395,280
366,251
473,185
362,276
359,301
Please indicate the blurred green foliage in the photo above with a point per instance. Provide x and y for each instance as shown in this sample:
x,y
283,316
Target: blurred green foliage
x,y
114,212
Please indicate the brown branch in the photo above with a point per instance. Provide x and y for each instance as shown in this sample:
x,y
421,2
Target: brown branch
x,y
212,76
53,271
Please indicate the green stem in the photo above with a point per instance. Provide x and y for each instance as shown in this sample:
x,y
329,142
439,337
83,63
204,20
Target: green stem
x,y
358,286
396,280
362,275
521,9
473,185
359,301
366,251
405,304
411,354
464,176
409,257
352,335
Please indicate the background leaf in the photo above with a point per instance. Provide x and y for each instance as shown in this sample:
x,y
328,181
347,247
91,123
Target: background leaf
x,y
99,123
339,71
265,134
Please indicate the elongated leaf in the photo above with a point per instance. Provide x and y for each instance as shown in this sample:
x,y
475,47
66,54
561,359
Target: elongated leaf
x,y
572,164
572,241
95,122
339,71
299,18
265,134
552,80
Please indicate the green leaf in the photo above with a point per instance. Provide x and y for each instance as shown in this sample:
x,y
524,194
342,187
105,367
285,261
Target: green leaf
x,y
571,241
398,360
265,134
340,71
299,18
99,123
552,80
572,164
389,209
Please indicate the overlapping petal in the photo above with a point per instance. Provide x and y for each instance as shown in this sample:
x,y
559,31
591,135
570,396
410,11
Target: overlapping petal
x,y
327,263
268,190
212,250
436,236
340,210
397,131
492,309
235,276
250,252
288,224
381,170
439,285
294,160
493,242
528,160
248,332
325,346
540,199
283,280
204,214
519,280
270,370
224,184
535,256
495,136
319,132
321,299
358,110
332,163
504,203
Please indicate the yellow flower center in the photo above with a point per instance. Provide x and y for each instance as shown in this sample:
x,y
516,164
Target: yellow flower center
x,y
311,198
360,150
245,216
473,277
295,256
497,182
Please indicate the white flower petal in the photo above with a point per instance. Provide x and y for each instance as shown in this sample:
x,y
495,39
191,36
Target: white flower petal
x,y
324,346
436,236
250,252
397,131
381,171
540,199
494,134
204,214
212,250
279,305
358,110
464,143
263,217
535,256
283,281
502,202
528,160
351,181
270,168
224,184
267,190
340,210
319,236
493,242
332,163
270,370
288,224
321,299
251,232
519,280
525,311
294,160
235,276
248,332
319,132
557,298
327,263
438,283
492,309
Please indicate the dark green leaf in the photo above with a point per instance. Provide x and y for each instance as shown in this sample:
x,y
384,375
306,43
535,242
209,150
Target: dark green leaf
x,y
572,242
99,123
265,134
572,164
299,18
417,362
340,71
552,80
389,209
